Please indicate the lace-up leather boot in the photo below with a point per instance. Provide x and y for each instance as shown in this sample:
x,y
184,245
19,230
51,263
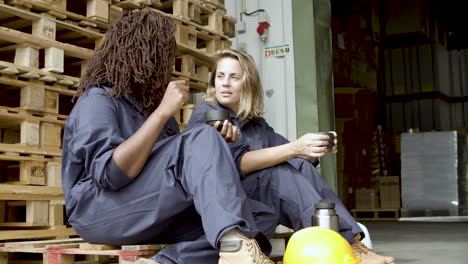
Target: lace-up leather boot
x,y
367,255
242,250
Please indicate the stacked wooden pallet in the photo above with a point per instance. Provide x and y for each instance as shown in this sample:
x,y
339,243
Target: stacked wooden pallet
x,y
44,49
75,250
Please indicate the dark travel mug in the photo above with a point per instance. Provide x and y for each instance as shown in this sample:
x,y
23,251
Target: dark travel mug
x,y
331,139
217,115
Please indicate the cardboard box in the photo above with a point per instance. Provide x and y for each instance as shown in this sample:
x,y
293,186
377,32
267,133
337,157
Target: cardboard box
x,y
389,192
366,199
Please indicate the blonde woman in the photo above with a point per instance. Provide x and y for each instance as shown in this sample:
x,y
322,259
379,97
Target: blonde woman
x,y
275,172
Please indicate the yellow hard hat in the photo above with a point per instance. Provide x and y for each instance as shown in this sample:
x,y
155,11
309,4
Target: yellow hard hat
x,y
318,245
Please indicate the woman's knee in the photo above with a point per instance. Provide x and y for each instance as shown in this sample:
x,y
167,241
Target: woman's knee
x,y
206,133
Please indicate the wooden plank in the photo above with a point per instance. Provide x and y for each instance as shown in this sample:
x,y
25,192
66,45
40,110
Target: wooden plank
x,y
22,224
19,84
19,250
12,117
42,243
192,24
195,85
63,14
144,247
22,149
33,234
10,157
69,50
53,191
187,50
88,246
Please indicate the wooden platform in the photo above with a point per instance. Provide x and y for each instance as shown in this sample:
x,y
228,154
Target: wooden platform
x,y
22,19
88,14
19,126
405,212
200,39
23,206
75,250
375,214
69,251
203,14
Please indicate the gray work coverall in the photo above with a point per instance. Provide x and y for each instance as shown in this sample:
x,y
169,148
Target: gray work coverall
x,y
291,188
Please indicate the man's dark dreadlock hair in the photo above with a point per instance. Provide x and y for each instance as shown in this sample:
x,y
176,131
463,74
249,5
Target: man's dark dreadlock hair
x,y
136,57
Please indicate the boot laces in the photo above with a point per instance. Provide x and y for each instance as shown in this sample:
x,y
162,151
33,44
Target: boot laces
x,y
360,248
257,254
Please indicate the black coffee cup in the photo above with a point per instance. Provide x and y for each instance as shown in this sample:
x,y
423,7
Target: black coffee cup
x,y
331,139
217,115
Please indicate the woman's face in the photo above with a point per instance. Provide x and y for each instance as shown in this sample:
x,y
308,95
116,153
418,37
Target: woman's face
x,y
228,83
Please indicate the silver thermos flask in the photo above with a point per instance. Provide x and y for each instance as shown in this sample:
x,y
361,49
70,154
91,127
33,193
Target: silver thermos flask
x,y
325,215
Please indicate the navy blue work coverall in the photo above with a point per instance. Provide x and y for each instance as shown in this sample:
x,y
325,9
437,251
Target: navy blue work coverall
x,y
189,192
291,188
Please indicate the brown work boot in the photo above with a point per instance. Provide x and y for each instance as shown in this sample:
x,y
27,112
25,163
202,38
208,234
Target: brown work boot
x,y
146,261
242,250
367,255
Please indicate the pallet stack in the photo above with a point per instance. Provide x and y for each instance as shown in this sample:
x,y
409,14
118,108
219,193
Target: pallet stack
x,y
44,49
75,250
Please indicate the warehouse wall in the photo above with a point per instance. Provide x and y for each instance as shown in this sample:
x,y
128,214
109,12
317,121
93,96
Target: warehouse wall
x,y
277,73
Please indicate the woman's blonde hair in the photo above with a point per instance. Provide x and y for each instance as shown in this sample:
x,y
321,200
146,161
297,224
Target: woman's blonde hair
x,y
251,100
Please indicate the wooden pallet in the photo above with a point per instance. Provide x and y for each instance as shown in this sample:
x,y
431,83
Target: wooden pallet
x,y
28,170
21,126
193,68
76,250
64,31
63,84
51,233
199,39
34,89
375,214
200,14
195,84
136,4
69,251
405,212
23,206
41,49
35,96
92,14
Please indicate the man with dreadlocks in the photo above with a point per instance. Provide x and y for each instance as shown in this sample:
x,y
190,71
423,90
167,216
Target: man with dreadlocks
x,y
129,177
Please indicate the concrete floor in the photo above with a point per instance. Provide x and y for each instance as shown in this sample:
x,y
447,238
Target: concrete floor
x,y
421,242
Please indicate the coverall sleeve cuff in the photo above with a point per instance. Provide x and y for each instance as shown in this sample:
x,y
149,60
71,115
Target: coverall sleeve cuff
x,y
238,165
119,178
